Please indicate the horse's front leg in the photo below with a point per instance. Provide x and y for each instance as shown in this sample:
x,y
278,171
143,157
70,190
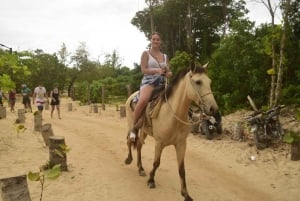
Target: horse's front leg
x,y
180,152
156,163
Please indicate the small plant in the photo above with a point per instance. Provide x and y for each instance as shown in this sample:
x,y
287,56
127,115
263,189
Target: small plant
x,y
64,148
20,128
36,113
44,174
291,137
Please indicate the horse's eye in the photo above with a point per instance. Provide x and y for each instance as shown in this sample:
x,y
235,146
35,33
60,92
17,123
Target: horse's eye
x,y
198,82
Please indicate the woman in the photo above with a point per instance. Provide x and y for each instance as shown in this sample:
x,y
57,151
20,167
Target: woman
x,y
55,101
155,67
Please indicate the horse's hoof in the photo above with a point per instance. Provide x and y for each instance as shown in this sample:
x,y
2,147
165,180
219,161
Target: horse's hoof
x,y
142,173
151,184
128,161
188,198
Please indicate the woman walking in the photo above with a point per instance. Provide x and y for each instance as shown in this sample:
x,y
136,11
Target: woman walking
x,y
55,101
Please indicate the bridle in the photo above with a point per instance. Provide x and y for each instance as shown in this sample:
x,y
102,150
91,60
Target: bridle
x,y
200,96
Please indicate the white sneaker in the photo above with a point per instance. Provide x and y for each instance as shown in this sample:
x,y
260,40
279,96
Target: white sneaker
x,y
132,136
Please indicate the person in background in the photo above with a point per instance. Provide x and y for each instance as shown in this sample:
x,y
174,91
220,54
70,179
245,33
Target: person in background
x,y
40,97
12,99
55,101
26,92
155,67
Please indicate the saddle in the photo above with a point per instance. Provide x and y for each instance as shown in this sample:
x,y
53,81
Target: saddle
x,y
150,112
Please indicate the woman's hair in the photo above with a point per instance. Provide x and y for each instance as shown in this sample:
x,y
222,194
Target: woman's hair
x,y
155,33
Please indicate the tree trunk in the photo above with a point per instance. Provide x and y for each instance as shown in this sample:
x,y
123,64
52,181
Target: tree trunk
x,y
282,50
295,151
95,107
46,133
238,131
2,112
69,107
122,111
21,116
103,100
14,189
55,147
38,121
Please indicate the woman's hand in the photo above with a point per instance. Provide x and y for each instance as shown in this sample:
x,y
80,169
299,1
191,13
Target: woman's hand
x,y
169,74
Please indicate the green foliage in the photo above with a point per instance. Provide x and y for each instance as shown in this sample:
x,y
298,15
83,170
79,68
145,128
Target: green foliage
x,y
291,137
6,83
40,176
64,149
20,128
291,95
48,174
180,61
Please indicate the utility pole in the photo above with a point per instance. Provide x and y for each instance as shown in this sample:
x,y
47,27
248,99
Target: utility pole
x,y
9,48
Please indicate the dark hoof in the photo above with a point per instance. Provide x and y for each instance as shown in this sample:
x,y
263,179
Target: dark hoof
x,y
128,161
142,173
188,198
151,184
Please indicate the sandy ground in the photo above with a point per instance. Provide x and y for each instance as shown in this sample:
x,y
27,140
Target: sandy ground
x,y
216,170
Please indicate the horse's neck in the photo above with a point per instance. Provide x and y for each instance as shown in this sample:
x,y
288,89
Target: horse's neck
x,y
179,102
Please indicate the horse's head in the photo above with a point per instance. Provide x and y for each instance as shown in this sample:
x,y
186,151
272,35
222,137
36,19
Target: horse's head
x,y
199,90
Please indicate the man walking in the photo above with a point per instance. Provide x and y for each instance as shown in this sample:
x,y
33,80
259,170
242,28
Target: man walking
x,y
39,97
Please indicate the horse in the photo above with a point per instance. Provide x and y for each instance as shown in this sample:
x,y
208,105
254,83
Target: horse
x,y
171,126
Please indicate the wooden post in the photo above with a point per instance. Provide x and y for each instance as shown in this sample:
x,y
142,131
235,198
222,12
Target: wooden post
x,y
55,143
2,112
295,151
103,102
69,107
14,189
238,131
46,133
38,121
95,107
21,116
122,111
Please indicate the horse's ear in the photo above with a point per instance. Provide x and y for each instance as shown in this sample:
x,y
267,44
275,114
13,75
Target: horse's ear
x,y
193,66
205,65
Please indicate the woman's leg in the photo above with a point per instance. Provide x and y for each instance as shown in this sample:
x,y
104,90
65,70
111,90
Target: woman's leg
x,y
58,111
145,95
52,109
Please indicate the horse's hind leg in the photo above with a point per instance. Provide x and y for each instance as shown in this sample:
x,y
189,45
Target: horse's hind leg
x,y
180,152
156,163
128,160
139,159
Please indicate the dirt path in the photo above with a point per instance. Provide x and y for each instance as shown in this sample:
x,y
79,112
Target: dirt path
x,y
218,170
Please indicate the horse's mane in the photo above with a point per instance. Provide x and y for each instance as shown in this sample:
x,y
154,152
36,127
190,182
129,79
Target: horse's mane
x,y
180,75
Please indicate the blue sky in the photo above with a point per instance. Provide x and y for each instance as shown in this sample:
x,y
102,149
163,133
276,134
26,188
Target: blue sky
x,y
104,25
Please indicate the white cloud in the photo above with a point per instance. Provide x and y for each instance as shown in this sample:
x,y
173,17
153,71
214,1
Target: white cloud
x,y
103,25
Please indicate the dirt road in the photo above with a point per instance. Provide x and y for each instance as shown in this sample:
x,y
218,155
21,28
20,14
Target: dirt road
x,y
217,170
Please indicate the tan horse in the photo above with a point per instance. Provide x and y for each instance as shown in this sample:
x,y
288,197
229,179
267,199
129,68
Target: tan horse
x,y
171,125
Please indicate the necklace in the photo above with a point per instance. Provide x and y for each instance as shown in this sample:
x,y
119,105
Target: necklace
x,y
155,54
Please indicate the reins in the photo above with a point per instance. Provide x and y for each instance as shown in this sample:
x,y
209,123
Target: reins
x,y
178,118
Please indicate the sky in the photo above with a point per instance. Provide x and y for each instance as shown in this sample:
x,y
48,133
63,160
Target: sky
x,y
103,25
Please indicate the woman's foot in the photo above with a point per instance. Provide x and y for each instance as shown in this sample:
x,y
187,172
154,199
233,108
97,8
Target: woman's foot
x,y
132,136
